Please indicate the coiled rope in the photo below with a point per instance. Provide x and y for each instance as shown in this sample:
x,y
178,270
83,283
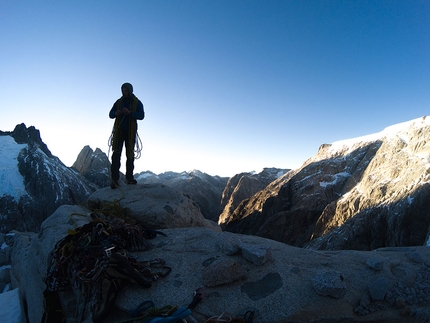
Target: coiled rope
x,y
137,141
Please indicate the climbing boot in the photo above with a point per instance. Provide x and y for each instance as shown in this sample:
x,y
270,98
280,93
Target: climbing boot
x,y
114,184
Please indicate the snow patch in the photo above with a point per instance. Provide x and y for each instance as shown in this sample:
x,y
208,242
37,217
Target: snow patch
x,y
145,175
184,177
398,130
280,174
336,178
11,181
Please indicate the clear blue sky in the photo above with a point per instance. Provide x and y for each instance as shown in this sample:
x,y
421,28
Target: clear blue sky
x,y
227,86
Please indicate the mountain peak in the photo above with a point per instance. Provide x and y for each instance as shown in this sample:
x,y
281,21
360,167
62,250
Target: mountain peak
x,y
31,136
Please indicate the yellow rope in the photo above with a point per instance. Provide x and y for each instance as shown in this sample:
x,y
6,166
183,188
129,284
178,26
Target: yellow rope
x,y
73,232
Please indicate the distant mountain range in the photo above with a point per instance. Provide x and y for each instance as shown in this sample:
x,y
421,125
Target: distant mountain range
x,y
363,193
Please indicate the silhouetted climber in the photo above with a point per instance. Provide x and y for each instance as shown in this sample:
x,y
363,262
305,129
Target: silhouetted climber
x,y
126,111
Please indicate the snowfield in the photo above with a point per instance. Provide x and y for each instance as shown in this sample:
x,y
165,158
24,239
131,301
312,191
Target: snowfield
x,y
12,182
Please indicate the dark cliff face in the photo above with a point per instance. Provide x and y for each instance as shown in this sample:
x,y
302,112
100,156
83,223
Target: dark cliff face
x,y
48,184
243,186
354,195
30,136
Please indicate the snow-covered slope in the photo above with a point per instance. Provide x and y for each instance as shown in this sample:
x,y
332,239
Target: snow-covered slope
x,y
398,132
33,182
12,182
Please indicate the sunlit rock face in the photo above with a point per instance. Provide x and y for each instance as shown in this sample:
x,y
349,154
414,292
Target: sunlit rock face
x,y
363,193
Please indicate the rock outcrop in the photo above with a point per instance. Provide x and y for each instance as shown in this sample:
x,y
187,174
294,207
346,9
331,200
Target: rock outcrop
x,y
156,206
94,166
241,273
363,194
203,189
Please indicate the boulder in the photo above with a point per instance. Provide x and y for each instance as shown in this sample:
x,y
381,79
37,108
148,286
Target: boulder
x,y
203,189
12,312
157,206
31,255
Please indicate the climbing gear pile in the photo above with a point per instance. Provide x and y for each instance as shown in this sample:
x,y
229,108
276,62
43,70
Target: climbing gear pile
x,y
92,261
